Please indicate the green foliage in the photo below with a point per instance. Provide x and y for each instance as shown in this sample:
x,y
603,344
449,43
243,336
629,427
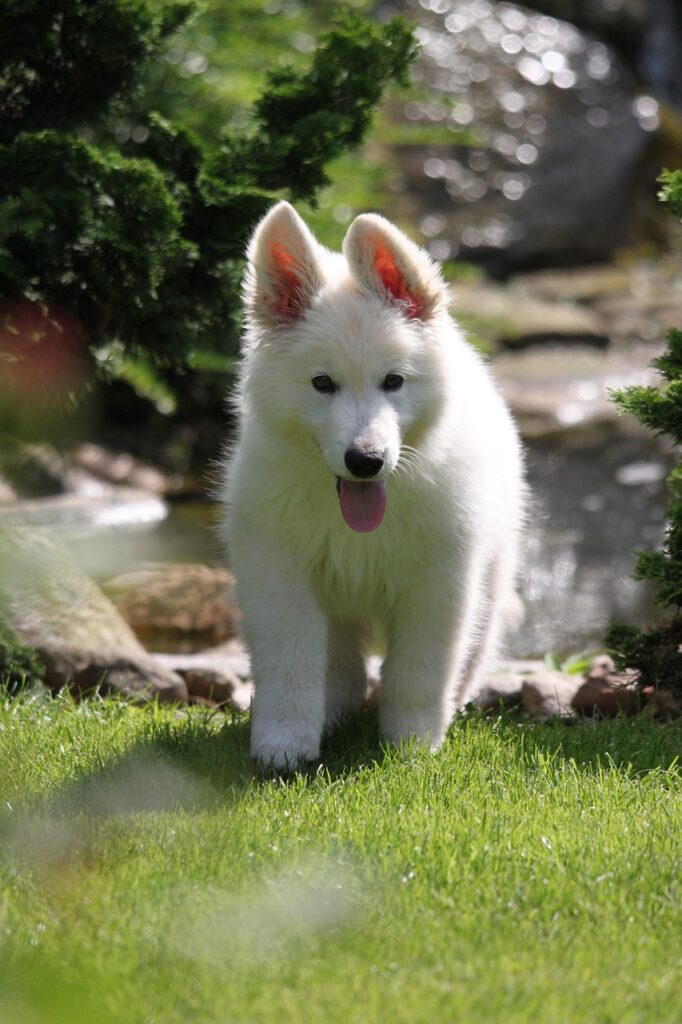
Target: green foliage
x,y
655,652
671,191
659,409
92,233
326,111
63,63
146,250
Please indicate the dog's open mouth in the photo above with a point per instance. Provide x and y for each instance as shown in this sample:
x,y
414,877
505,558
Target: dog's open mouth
x,y
362,504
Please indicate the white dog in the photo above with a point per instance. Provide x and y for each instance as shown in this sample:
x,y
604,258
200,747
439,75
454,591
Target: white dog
x,y
374,496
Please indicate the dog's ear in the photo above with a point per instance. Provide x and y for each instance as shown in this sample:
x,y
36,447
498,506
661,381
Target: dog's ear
x,y
384,261
283,268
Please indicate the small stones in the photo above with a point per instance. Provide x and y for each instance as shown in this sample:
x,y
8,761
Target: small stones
x,y
600,692
219,676
127,672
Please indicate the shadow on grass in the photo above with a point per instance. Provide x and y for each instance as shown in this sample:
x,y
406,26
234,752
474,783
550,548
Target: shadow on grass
x,y
199,763
192,762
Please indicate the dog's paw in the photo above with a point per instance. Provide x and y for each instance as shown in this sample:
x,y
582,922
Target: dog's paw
x,y
399,727
283,750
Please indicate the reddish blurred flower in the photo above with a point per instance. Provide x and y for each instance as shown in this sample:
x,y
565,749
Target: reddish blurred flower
x,y
43,353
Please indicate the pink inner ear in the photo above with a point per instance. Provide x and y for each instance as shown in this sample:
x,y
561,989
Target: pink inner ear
x,y
288,306
395,283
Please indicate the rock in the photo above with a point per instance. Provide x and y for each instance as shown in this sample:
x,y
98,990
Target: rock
x,y
502,689
132,674
605,691
579,284
8,496
661,703
607,696
648,31
558,150
549,693
220,675
553,389
601,667
56,609
33,470
121,468
176,607
518,319
102,506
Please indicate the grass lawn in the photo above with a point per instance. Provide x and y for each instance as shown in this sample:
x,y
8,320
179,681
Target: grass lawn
x,y
525,873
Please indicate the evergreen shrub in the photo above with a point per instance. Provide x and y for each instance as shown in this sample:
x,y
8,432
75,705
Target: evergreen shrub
x,y
657,652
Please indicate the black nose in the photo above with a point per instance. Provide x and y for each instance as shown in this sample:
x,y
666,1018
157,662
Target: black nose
x,y
363,462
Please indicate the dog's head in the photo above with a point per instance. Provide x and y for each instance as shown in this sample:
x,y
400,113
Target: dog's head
x,y
345,350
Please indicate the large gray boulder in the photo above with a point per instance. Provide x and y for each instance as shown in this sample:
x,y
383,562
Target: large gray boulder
x,y
83,642
557,135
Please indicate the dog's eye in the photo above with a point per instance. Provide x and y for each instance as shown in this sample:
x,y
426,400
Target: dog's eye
x,y
393,382
324,384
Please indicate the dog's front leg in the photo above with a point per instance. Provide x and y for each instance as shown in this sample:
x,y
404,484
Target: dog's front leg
x,y
287,636
425,653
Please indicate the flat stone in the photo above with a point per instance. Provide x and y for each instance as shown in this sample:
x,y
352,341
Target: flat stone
x,y
500,690
553,389
176,607
111,670
105,506
518,318
581,284
121,468
549,693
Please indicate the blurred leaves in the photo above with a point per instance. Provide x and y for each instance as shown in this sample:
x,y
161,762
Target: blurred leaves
x,y
146,250
671,191
63,63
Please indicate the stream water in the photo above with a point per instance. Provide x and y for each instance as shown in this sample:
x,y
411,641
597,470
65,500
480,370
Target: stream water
x,y
592,506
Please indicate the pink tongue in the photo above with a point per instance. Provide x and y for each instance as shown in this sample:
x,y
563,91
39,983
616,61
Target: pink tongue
x,y
363,505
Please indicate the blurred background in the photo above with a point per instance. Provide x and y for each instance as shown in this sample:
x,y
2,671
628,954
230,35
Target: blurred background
x,y
523,154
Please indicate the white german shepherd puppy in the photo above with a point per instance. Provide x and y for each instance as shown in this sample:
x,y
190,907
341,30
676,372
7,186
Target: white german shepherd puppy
x,y
374,496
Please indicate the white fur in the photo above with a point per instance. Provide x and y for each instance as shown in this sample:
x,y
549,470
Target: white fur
x,y
433,586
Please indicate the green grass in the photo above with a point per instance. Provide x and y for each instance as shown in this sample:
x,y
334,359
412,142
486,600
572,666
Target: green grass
x,y
524,873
